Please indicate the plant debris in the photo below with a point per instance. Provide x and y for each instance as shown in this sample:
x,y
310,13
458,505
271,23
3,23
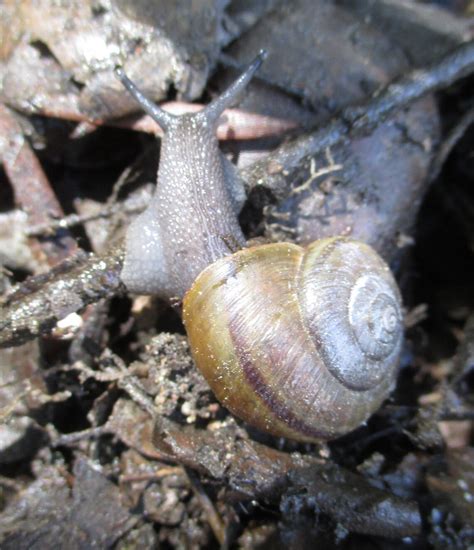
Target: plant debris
x,y
360,123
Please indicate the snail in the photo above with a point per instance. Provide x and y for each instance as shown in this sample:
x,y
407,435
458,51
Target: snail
x,y
298,342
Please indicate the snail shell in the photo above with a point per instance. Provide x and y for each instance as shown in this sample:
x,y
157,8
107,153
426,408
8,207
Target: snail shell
x,y
301,343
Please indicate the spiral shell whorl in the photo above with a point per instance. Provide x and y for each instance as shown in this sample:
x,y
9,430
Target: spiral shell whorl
x,y
351,305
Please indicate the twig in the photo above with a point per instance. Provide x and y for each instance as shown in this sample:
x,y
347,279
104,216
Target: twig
x,y
411,87
37,313
130,384
255,471
234,123
213,518
131,205
135,203
32,189
450,142
138,394
277,168
315,173
75,437
153,476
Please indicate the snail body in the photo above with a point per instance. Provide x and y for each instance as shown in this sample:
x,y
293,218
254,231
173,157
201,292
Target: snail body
x,y
192,216
299,342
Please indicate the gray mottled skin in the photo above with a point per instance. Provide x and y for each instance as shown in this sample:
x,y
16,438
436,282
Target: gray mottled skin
x,y
191,220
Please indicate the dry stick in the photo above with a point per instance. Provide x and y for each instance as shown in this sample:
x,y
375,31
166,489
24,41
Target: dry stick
x,y
23,320
37,313
76,437
153,476
276,170
135,205
32,189
235,124
213,518
450,142
251,470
